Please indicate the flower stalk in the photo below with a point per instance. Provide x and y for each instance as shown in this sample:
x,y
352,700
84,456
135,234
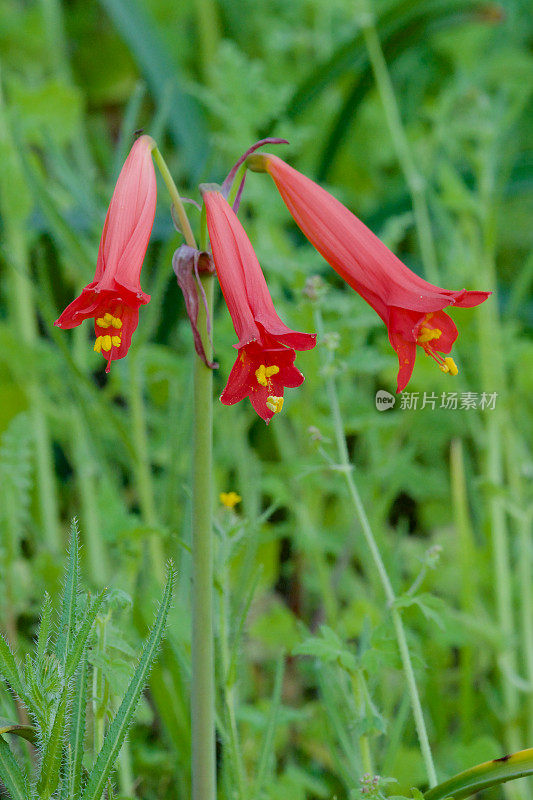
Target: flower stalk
x,y
399,630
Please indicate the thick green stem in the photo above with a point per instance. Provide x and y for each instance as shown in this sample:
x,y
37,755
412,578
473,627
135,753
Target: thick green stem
x,y
202,652
415,180
203,682
347,471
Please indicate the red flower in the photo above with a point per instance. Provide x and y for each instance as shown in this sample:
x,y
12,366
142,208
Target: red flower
x,y
114,296
410,307
265,364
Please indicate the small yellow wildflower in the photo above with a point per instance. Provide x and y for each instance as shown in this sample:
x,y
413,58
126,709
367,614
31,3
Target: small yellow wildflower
x,y
229,499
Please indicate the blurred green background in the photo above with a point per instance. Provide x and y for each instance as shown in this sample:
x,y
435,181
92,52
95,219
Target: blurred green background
x,y
448,492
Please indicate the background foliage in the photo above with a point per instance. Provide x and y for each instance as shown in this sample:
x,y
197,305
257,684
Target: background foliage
x,y
308,666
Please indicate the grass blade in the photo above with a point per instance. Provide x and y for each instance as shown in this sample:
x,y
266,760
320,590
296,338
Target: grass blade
x,y
107,756
268,742
11,774
490,773
133,22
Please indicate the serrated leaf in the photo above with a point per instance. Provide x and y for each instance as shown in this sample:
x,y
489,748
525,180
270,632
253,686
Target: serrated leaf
x,y
75,654
10,671
328,647
114,739
52,751
67,625
77,729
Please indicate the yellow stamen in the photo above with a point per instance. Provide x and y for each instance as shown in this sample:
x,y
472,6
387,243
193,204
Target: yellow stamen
x,y
109,320
428,334
98,345
106,343
452,366
263,373
444,368
229,499
116,341
274,403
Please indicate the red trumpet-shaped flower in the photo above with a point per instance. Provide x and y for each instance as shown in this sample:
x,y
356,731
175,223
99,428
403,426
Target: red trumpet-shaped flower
x,y
114,296
265,363
410,307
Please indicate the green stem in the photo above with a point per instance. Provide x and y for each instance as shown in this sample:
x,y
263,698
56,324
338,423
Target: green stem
x,y
229,684
203,682
415,180
380,566
468,583
174,196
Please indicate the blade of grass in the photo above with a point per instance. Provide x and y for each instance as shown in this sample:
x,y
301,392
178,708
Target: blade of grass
x,y
139,30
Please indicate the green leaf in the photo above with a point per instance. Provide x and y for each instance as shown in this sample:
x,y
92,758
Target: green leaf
x,y
77,729
28,732
52,750
108,755
10,671
328,647
44,628
76,652
490,773
67,625
11,774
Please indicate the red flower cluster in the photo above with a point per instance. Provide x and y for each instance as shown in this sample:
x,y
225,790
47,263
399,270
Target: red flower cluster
x,y
114,296
410,307
266,346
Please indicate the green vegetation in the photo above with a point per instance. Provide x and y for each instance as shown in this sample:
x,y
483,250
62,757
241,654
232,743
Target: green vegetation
x,y
431,147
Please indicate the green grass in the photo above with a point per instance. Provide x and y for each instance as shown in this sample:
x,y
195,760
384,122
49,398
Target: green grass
x,y
310,689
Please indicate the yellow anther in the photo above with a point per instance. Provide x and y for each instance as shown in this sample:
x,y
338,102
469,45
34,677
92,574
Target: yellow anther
x,y
274,403
116,341
263,373
98,345
452,366
444,368
116,323
108,317
106,343
229,499
428,334
260,374
102,322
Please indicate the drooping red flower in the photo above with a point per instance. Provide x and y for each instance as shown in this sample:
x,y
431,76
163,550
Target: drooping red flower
x,y
266,346
114,296
410,307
